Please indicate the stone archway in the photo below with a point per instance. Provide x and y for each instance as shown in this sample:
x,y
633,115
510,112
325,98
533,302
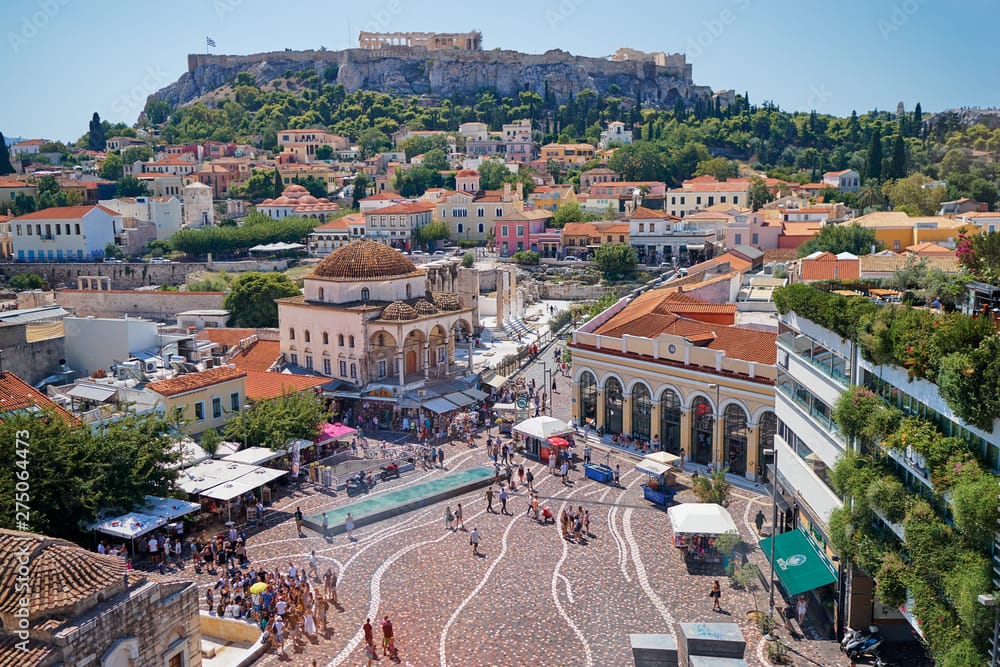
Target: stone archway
x,y
411,361
735,439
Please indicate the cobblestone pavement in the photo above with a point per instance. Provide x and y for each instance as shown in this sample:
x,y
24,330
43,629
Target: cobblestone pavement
x,y
532,598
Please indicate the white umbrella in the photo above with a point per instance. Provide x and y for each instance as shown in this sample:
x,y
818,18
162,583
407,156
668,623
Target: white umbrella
x,y
543,428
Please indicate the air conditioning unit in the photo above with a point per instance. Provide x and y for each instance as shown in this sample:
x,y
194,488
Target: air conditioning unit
x,y
421,393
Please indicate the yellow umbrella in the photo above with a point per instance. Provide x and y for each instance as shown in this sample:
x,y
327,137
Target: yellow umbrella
x,y
259,587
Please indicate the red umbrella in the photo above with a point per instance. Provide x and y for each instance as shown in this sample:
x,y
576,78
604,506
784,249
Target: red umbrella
x,y
556,441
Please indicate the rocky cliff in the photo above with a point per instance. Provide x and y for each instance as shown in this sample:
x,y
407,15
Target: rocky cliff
x,y
417,71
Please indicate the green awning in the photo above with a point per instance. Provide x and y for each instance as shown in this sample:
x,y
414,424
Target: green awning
x,y
799,563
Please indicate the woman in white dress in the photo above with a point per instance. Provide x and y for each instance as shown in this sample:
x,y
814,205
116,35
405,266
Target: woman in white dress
x,y
349,526
310,623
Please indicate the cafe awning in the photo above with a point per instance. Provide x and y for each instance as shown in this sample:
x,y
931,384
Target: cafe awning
x,y
460,399
798,562
254,456
701,519
440,405
494,380
475,394
241,485
652,468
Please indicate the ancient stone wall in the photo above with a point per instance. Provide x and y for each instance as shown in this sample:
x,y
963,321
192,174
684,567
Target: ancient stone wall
x,y
154,305
132,275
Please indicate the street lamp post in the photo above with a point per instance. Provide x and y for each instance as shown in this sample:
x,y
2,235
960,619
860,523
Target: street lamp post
x,y
774,515
717,425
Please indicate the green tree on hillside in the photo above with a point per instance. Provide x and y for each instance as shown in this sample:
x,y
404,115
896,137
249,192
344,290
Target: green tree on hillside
x,y
571,212
852,238
111,168
130,186
912,195
359,189
251,299
277,186
897,161
615,259
719,167
314,184
274,422
492,174
760,194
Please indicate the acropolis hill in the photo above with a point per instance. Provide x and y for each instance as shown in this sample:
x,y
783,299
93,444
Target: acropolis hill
x,y
436,65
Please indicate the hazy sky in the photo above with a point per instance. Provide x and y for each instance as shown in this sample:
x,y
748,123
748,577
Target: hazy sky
x,y
64,59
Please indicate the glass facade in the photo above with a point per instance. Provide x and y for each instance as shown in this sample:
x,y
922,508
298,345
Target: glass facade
x,y
613,402
830,363
736,439
642,410
810,404
670,421
588,398
702,427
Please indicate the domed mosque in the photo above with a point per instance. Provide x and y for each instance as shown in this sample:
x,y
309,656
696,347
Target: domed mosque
x,y
380,325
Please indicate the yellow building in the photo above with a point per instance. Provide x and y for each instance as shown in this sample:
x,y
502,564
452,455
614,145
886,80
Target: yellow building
x,y
202,401
329,174
664,366
897,230
551,197
568,153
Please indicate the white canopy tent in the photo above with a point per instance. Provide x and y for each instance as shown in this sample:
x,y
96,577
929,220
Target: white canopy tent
x,y
543,428
169,508
199,478
129,526
648,466
666,458
254,456
239,486
701,519
188,452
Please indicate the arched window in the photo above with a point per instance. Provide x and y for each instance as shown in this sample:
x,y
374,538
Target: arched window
x,y
306,335
326,338
670,421
588,398
321,294
291,333
702,428
642,409
350,341
482,228
613,402
735,442
409,291
340,340
365,294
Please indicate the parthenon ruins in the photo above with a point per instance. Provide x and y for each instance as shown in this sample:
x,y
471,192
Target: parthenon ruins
x,y
432,41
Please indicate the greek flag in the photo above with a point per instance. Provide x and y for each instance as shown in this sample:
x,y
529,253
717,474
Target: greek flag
x,y
210,42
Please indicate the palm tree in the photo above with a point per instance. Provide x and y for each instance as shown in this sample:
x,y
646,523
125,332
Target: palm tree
x,y
870,197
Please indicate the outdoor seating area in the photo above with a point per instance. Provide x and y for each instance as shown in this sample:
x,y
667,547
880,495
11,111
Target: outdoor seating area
x,y
696,527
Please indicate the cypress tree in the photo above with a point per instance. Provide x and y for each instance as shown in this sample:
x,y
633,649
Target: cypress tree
x,y
918,120
873,165
278,187
96,141
897,161
5,166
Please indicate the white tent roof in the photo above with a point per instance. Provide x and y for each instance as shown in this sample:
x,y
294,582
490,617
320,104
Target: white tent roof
x,y
129,526
653,468
205,475
169,508
666,458
701,519
254,456
241,485
189,453
543,427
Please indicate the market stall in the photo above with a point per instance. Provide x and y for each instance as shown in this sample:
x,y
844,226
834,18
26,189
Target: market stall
x,y
537,430
129,526
254,456
696,525
334,433
659,487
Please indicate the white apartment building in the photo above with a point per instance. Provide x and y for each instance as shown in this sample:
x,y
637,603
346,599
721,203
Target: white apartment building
x,y
64,233
166,213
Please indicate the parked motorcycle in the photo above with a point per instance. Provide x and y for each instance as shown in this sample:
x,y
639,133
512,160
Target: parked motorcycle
x,y
866,647
851,636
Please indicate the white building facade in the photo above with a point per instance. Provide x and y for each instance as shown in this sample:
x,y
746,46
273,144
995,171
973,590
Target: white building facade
x,y
65,233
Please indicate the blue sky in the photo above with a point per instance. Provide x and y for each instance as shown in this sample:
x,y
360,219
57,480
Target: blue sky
x,y
69,58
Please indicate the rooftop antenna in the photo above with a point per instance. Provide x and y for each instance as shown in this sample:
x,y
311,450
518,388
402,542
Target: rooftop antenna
x,y
1,364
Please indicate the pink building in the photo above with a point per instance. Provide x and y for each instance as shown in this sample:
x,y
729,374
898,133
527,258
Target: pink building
x,y
755,231
525,230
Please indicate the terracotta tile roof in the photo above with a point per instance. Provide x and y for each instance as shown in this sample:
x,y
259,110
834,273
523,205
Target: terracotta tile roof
x,y
194,381
801,228
341,223
262,385
224,336
580,229
827,266
12,656
16,394
64,213
404,208
385,196
735,263
61,573
12,183
616,228
260,356
928,248
885,264
643,213
651,314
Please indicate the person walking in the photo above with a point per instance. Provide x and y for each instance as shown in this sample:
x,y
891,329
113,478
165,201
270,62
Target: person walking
x,y
564,472
552,463
759,521
459,522
520,474
298,521
801,608
489,499
474,541
682,458
313,564
503,500
349,527
586,452
716,594
586,522
441,456
618,475
326,526
387,634
448,518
